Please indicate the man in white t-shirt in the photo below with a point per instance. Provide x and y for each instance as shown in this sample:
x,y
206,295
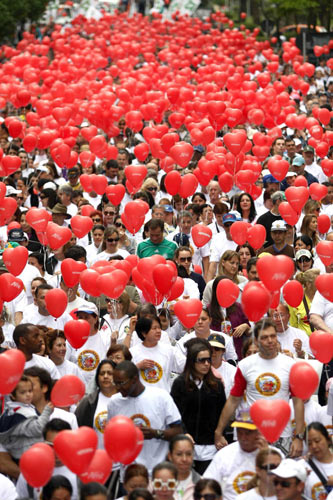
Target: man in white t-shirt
x,y
150,408
42,315
291,339
220,243
28,340
321,311
265,375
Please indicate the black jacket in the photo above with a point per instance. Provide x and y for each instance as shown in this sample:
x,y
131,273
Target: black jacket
x,y
86,409
200,409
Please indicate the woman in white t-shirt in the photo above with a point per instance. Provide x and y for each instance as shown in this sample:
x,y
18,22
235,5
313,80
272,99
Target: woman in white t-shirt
x,y
320,462
110,246
261,485
56,348
116,321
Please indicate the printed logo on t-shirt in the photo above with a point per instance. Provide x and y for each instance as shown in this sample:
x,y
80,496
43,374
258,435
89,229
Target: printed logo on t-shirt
x,y
88,360
318,492
268,384
329,429
140,420
241,480
152,375
100,421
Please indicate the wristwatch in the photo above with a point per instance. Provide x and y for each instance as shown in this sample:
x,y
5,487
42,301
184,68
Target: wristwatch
x,y
300,436
160,434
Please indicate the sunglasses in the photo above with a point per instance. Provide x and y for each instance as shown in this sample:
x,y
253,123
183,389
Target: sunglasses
x,y
108,301
112,240
20,197
42,197
170,484
109,213
119,224
207,496
152,189
282,482
202,361
185,259
96,220
304,259
268,467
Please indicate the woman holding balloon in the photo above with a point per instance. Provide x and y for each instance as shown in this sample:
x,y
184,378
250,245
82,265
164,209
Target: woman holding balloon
x,y
110,245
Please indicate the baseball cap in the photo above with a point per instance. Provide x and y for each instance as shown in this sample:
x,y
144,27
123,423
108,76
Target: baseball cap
x,y
303,253
41,168
168,208
50,185
291,174
10,190
229,218
278,195
278,225
308,149
298,161
89,308
290,468
243,420
17,234
297,142
270,178
216,340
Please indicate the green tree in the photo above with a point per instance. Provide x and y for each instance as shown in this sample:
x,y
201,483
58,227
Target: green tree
x,y
14,13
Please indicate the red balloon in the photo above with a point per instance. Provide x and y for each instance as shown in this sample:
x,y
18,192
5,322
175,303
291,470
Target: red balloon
x,y
278,167
71,270
177,289
10,287
173,182
164,276
68,390
256,300
113,284
76,449
88,281
56,302
99,183
136,174
238,232
87,210
132,224
226,181
235,142
85,181
274,271
12,366
321,344
15,259
297,197
8,207
86,158
324,285
201,234
289,215
115,194
301,181
270,417
11,164
188,311
141,151
324,251
77,332
30,464
324,223
293,293
121,439
256,236
81,225
188,186
299,372
226,292
99,468
38,218
317,191
182,153
57,235
98,145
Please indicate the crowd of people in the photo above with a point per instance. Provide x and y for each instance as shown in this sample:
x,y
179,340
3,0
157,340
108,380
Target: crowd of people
x,y
190,390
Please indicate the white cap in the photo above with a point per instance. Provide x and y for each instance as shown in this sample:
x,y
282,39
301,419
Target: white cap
x,y
303,253
10,190
50,185
88,307
289,468
278,225
291,174
297,142
41,168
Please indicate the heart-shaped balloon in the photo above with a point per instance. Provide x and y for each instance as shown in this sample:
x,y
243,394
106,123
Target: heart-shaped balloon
x,y
3,190
76,448
293,293
288,213
88,281
324,251
299,372
173,182
99,183
256,236
256,300
270,417
188,185
86,158
238,232
164,276
10,287
15,259
182,153
115,193
324,285
8,207
67,391
113,284
56,301
297,197
321,344
317,191
274,271
324,223
235,142
188,311
30,464
11,164
81,225
226,292
77,332
278,167
57,236
122,439
99,468
177,289
136,174
201,235
38,218
12,364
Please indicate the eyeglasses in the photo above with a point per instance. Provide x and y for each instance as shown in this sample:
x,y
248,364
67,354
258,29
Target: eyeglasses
x,y
152,189
42,197
202,361
109,213
120,384
119,224
170,484
96,220
207,496
108,301
112,240
185,259
282,482
268,467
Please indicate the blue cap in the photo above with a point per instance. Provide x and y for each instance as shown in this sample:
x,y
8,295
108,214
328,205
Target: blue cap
x,y
229,218
298,161
270,178
168,208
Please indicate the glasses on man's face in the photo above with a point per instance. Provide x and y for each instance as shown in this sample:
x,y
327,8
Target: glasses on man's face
x,y
282,482
185,259
109,213
96,220
121,384
170,484
112,240
202,361
152,189
268,467
207,496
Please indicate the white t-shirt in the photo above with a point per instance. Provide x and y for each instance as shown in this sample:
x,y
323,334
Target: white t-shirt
x,y
44,363
230,352
69,368
153,408
36,318
112,324
7,488
313,486
27,275
107,256
22,487
287,338
218,245
261,378
88,356
232,468
253,495
166,359
100,418
227,372
324,308
326,419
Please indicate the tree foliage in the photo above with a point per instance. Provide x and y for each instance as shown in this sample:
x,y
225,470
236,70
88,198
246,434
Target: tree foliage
x,y
14,13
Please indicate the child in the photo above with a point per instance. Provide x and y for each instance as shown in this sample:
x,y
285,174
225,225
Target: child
x,y
20,425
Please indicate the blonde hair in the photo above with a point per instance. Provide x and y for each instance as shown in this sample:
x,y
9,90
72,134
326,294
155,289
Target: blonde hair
x,y
150,182
228,255
307,277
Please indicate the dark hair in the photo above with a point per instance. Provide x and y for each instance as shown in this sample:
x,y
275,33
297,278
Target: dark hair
x,y
251,262
56,425
44,378
134,470
75,252
20,331
98,226
156,224
207,483
305,239
99,367
146,309
165,465
214,306
129,368
24,378
181,249
112,163
263,324
52,196
40,259
319,427
117,348
143,325
246,346
253,212
189,374
55,483
179,437
90,489
140,493
43,286
246,245
52,336
201,195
